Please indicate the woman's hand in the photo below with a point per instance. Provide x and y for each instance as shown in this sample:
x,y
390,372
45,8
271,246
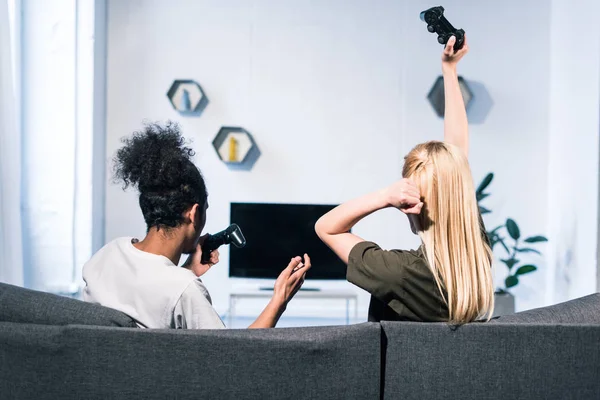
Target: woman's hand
x,y
449,57
404,195
291,279
194,262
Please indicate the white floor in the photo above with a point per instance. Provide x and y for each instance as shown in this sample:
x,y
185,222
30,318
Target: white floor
x,y
287,322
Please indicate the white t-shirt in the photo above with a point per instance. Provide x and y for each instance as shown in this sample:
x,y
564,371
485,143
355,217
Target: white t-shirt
x,y
149,288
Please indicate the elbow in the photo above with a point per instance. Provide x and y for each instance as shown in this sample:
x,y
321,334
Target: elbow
x,y
319,228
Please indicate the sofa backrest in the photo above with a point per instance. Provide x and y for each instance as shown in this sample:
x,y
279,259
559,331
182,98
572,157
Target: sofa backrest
x,y
485,361
84,362
44,356
30,306
583,310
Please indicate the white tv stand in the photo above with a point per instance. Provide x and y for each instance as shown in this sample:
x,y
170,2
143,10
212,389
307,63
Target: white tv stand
x,y
303,293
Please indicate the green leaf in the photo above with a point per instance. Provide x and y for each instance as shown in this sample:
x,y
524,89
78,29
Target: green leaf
x,y
528,250
513,229
481,196
511,281
510,262
525,269
483,210
485,183
536,239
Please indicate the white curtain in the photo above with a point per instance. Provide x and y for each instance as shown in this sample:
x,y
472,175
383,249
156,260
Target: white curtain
x,y
11,262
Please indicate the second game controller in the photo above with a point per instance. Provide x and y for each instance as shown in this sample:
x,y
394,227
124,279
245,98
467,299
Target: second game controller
x,y
437,23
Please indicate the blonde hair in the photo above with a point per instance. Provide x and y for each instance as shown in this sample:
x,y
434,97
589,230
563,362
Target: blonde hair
x,y
449,227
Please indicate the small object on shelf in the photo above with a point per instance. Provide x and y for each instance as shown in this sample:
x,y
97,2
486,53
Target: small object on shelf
x,y
234,145
185,101
187,97
232,149
436,95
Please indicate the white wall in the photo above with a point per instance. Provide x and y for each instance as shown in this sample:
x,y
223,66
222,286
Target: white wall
x,y
573,167
334,94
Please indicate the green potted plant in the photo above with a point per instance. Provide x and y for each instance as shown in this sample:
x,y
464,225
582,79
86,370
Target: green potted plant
x,y
514,246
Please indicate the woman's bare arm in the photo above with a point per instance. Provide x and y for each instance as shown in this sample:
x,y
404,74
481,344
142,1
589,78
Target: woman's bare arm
x,y
333,228
456,126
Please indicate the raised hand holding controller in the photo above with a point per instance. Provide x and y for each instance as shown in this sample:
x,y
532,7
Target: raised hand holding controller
x,y
437,23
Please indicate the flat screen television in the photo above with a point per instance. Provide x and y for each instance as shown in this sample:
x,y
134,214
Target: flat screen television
x,y
277,232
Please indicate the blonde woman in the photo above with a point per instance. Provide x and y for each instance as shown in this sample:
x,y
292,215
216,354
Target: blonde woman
x,y
448,278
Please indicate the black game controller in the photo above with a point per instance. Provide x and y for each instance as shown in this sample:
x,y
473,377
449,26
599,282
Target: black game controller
x,y
233,234
437,23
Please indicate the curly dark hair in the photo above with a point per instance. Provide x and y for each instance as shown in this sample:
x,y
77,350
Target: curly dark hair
x,y
157,162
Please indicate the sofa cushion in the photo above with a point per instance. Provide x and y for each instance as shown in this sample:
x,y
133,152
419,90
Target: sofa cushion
x,y
584,310
85,362
491,361
30,306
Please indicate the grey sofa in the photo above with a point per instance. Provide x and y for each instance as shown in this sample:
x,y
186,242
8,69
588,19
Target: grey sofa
x,y
58,348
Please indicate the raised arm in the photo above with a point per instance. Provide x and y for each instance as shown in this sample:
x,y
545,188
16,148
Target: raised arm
x,y
456,126
333,228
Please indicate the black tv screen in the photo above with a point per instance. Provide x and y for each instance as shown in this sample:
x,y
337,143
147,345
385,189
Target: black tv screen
x,y
274,234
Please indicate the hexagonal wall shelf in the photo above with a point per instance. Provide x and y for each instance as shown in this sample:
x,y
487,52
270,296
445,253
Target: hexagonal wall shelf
x,y
187,97
235,146
436,95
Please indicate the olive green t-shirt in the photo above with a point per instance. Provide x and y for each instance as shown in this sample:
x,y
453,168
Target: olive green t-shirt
x,y
401,284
